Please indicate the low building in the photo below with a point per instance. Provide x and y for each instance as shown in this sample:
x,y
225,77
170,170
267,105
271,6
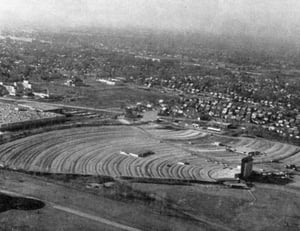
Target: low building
x,y
218,124
69,83
11,89
106,81
41,95
214,129
26,84
136,154
75,81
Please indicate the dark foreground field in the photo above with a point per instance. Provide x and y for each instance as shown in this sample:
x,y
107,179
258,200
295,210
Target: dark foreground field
x,y
71,205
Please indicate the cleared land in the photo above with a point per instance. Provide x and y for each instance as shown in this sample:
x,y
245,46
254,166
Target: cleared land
x,y
103,96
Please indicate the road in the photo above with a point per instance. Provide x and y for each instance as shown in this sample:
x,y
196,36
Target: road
x,y
75,212
59,105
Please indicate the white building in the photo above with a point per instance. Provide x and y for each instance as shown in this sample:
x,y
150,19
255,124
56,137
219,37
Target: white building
x,y
106,81
10,88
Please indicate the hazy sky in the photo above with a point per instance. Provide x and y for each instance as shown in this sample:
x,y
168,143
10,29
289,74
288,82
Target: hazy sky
x,y
278,17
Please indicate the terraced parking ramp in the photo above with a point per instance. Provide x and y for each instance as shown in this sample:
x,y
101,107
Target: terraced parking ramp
x,y
271,150
101,151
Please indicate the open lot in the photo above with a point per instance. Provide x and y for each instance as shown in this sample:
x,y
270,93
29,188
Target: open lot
x,y
103,96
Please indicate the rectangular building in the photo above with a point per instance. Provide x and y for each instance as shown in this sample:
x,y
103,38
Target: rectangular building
x,y
247,165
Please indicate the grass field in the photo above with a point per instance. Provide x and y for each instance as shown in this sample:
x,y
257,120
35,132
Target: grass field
x,y
103,96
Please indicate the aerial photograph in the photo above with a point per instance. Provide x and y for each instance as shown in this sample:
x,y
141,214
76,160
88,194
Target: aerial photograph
x,y
149,115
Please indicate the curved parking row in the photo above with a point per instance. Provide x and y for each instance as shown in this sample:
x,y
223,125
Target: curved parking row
x,y
96,151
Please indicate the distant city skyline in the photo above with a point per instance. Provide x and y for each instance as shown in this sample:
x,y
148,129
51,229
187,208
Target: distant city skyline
x,y
279,18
